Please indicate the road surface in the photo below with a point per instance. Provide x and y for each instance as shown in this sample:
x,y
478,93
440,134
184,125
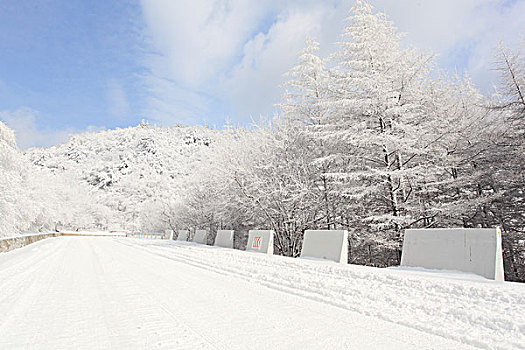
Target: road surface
x,y
118,293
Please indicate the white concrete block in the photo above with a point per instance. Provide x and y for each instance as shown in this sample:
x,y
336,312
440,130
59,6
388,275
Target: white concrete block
x,y
201,236
326,244
224,239
183,235
260,241
475,250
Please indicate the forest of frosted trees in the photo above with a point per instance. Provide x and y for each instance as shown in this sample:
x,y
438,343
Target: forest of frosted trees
x,y
374,139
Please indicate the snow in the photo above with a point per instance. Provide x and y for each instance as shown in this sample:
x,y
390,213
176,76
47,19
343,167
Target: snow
x,y
93,233
126,293
132,173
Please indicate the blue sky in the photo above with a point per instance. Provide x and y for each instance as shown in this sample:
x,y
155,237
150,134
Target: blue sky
x,y
69,65
65,59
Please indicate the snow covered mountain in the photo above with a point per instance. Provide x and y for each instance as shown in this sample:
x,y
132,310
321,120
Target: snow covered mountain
x,y
132,169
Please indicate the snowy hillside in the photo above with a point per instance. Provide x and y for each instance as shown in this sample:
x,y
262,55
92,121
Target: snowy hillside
x,y
133,168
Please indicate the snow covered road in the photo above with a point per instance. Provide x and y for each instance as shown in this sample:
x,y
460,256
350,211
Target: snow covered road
x,y
118,293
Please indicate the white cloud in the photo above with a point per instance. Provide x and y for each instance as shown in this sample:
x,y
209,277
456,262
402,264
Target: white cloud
x,y
23,122
207,50
462,33
253,86
235,51
194,44
195,39
118,104
168,102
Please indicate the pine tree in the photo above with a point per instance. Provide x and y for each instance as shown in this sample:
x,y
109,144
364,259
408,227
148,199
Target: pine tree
x,y
305,89
375,125
508,159
305,101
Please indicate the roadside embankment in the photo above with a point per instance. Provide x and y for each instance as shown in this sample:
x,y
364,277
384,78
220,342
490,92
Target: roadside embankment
x,y
10,243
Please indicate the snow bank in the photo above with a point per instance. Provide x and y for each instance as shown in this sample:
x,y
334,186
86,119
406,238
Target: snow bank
x,y
224,239
326,244
462,249
94,233
147,236
478,312
260,241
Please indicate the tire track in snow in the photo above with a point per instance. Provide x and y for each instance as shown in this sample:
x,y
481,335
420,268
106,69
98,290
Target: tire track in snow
x,y
143,292
438,307
392,337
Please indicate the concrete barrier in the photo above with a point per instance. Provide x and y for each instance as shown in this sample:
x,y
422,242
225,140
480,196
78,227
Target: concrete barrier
x,y
10,243
326,244
183,235
260,241
475,250
224,239
201,236
141,235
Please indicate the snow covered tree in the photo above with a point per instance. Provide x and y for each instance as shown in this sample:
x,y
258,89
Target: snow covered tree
x,y
508,159
306,101
306,87
130,171
280,183
511,66
452,152
12,181
375,126
394,147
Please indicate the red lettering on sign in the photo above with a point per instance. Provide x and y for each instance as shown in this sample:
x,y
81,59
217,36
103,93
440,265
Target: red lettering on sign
x,y
257,242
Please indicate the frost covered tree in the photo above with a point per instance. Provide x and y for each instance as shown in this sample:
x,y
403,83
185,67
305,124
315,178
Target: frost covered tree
x,y
508,158
27,203
396,147
511,66
306,87
63,203
132,172
36,198
375,126
306,101
258,178
12,182
452,153
279,183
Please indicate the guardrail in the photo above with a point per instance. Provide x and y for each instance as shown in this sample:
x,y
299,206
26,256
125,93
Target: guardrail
x,y
10,243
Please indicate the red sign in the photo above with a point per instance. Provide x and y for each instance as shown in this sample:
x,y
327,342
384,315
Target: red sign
x,y
257,242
